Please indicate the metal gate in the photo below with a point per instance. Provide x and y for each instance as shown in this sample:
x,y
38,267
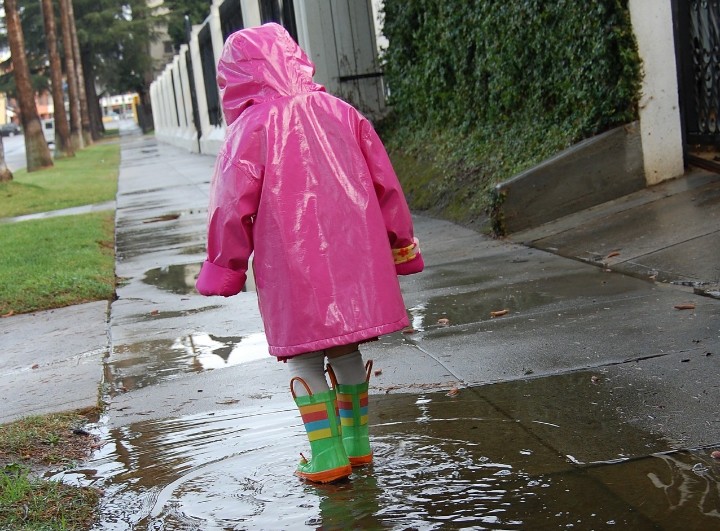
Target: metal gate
x,y
697,32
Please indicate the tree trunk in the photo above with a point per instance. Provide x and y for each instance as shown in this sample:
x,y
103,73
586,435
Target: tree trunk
x,y
145,118
71,74
63,143
84,112
37,153
97,128
5,173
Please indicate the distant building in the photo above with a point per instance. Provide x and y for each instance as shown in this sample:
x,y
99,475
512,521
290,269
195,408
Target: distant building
x,y
161,48
118,107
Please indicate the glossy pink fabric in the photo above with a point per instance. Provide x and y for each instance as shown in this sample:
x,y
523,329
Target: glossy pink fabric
x,y
304,182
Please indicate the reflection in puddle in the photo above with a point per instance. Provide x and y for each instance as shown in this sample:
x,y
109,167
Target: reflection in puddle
x,y
475,306
461,307
213,354
180,279
440,463
151,362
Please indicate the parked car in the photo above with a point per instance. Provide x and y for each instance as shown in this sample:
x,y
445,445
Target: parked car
x,y
10,129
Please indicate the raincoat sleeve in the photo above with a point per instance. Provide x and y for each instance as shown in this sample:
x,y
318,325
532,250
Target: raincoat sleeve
x,y
396,214
234,198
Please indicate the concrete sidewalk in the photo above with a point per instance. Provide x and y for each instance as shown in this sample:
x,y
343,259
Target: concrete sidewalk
x,y
167,352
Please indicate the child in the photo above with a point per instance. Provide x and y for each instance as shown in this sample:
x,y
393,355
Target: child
x,y
304,182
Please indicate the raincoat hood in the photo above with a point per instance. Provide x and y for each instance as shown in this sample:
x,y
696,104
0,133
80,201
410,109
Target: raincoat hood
x,y
261,64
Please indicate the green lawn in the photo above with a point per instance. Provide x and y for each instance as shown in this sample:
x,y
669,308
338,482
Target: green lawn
x,y
54,262
87,178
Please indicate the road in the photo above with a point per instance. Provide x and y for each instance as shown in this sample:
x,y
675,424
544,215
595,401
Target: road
x,y
14,152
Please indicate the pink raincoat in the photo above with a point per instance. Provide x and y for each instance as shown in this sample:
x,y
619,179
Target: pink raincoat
x,y
304,182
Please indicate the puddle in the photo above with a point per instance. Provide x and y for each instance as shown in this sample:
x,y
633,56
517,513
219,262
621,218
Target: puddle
x,y
465,307
180,279
152,362
492,457
157,237
473,306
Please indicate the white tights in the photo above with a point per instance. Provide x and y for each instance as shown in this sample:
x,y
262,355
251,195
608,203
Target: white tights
x,y
348,368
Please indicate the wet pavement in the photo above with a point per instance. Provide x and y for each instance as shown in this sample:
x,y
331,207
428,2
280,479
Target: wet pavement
x,y
591,403
493,457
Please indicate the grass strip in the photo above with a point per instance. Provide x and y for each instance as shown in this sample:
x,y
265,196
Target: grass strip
x,y
47,440
56,262
28,502
87,178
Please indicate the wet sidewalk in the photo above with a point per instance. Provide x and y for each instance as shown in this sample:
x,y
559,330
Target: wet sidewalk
x,y
591,403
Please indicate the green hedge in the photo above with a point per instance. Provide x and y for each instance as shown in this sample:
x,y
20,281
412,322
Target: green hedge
x,y
481,90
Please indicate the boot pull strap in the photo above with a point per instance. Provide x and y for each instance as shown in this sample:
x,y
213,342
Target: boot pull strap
x,y
368,370
331,375
292,387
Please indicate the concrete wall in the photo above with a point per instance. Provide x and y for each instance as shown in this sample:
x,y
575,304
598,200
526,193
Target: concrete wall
x,y
660,123
592,172
338,36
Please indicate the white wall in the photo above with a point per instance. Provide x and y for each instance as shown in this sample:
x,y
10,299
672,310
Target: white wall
x,y
660,125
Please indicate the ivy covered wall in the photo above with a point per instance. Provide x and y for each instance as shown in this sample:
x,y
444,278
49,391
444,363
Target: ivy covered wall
x,y
483,89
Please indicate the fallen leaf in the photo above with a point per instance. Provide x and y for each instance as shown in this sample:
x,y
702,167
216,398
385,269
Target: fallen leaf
x,y
409,330
595,379
613,254
443,321
499,313
154,312
715,454
9,314
36,366
453,392
685,306
377,372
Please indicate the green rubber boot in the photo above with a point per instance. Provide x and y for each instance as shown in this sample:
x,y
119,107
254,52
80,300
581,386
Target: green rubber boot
x,y
352,401
329,461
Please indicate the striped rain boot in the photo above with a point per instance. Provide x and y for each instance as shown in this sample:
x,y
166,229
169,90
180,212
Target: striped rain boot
x,y
329,461
352,401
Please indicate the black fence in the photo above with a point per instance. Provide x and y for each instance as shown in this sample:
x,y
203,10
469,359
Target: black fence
x,y
207,59
697,32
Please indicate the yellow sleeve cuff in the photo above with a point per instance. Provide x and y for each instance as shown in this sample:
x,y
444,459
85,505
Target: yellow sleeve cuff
x,y
405,254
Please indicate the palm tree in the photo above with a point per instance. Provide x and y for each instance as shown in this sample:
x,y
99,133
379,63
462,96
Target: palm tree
x,y
5,173
70,72
37,152
82,96
64,147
